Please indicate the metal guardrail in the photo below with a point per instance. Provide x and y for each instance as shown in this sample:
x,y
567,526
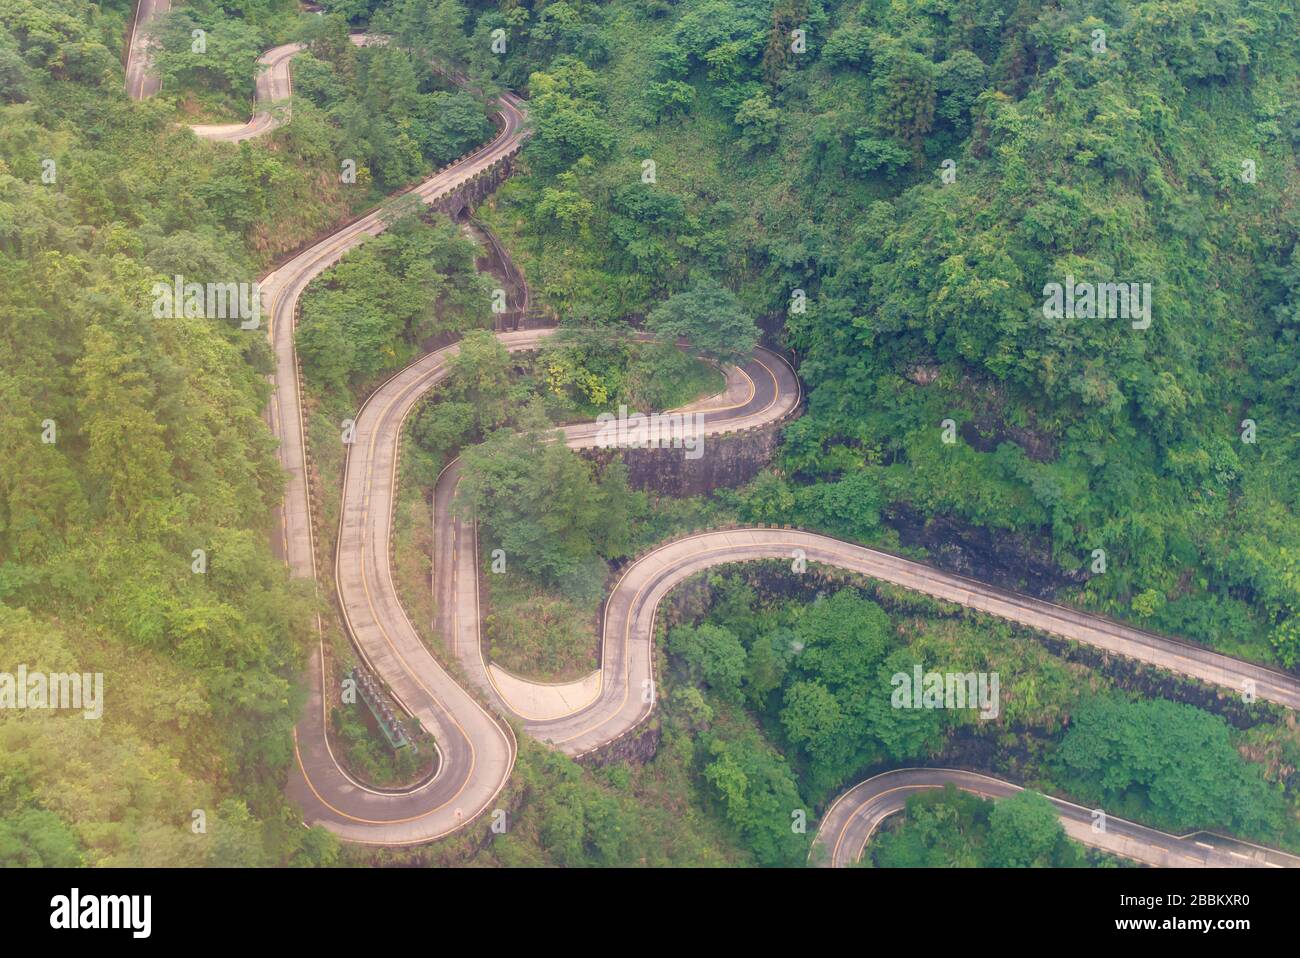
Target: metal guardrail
x,y
392,727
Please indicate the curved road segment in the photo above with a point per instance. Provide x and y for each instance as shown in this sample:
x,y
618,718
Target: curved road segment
x,y
620,695
273,86
477,750
855,816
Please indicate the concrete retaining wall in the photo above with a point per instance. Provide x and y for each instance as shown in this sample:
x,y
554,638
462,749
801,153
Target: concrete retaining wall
x,y
728,460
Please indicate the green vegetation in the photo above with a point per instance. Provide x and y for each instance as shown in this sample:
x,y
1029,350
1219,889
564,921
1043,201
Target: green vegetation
x,y
922,299
954,829
207,52
540,502
1169,764
373,312
809,683
158,450
361,320
819,674
370,315
368,754
709,317
898,193
625,814
384,106
588,371
381,106
380,308
539,633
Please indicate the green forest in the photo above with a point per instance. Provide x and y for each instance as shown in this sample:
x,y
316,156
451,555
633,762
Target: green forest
x,y
1125,164
888,196
953,829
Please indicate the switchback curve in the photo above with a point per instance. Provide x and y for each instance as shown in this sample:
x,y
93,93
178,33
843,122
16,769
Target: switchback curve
x,y
477,752
855,816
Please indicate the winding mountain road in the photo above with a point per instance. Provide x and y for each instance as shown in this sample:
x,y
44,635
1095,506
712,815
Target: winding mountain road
x,y
620,694
141,80
855,816
274,86
477,749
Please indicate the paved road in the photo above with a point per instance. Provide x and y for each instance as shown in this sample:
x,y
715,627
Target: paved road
x,y
850,822
764,390
274,86
625,697
477,750
274,83
477,753
141,81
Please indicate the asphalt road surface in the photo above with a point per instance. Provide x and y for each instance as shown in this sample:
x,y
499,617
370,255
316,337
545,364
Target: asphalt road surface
x,y
141,81
477,749
855,816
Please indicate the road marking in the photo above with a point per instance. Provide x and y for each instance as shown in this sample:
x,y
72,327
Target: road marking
x,y
316,259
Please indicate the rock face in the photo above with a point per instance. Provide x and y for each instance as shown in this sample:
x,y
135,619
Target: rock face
x,y
1009,561
636,748
496,261
727,461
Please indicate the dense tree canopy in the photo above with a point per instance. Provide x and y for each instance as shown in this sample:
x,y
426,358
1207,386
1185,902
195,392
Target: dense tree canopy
x,y
709,318
953,829
155,448
1170,764
541,503
376,308
911,181
893,191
